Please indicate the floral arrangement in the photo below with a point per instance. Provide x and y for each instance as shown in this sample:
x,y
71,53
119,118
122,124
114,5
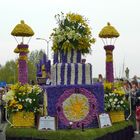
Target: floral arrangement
x,y
73,32
114,97
77,105
22,98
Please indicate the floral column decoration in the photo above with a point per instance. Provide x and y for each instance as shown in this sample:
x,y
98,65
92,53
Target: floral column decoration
x,y
108,35
22,30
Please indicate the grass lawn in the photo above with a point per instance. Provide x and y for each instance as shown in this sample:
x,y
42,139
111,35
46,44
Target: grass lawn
x,y
88,134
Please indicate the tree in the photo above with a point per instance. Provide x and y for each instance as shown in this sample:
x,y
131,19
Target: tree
x,y
33,58
9,72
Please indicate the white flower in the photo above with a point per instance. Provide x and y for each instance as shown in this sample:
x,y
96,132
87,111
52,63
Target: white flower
x,y
110,100
8,96
121,102
118,106
36,89
112,103
115,99
29,100
108,105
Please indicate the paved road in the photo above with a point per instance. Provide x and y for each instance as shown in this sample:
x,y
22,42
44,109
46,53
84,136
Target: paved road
x,y
2,134
137,137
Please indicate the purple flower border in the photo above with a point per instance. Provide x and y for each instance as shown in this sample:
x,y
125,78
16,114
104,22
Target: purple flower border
x,y
93,107
54,92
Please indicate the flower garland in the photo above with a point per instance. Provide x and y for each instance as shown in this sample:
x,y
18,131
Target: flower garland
x,y
73,32
78,106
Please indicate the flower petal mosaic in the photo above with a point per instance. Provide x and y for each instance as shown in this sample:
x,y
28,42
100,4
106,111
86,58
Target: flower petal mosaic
x,y
77,105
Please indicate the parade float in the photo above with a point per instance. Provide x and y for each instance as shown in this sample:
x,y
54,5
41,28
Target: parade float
x,y
71,97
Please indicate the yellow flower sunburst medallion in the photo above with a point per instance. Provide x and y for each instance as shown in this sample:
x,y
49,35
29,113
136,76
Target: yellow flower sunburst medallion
x,y
76,107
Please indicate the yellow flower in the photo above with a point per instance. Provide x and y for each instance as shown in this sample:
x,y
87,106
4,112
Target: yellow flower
x,y
13,102
75,17
119,92
15,87
20,106
107,85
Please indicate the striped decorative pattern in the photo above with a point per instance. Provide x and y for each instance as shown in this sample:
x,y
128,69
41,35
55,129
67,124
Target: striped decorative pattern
x,y
67,57
71,74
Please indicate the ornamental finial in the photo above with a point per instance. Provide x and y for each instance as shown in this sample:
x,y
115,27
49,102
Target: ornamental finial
x,y
108,23
22,22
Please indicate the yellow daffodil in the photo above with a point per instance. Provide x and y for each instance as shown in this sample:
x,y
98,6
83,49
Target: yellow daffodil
x,y
108,85
13,102
20,106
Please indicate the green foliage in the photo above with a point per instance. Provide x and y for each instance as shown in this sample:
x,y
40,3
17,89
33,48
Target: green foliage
x,y
88,134
8,72
35,56
33,59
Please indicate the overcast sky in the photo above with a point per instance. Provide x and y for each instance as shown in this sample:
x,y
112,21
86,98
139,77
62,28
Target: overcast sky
x,y
124,15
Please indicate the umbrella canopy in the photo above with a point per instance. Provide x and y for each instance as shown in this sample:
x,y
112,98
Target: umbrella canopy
x,y
109,32
22,30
